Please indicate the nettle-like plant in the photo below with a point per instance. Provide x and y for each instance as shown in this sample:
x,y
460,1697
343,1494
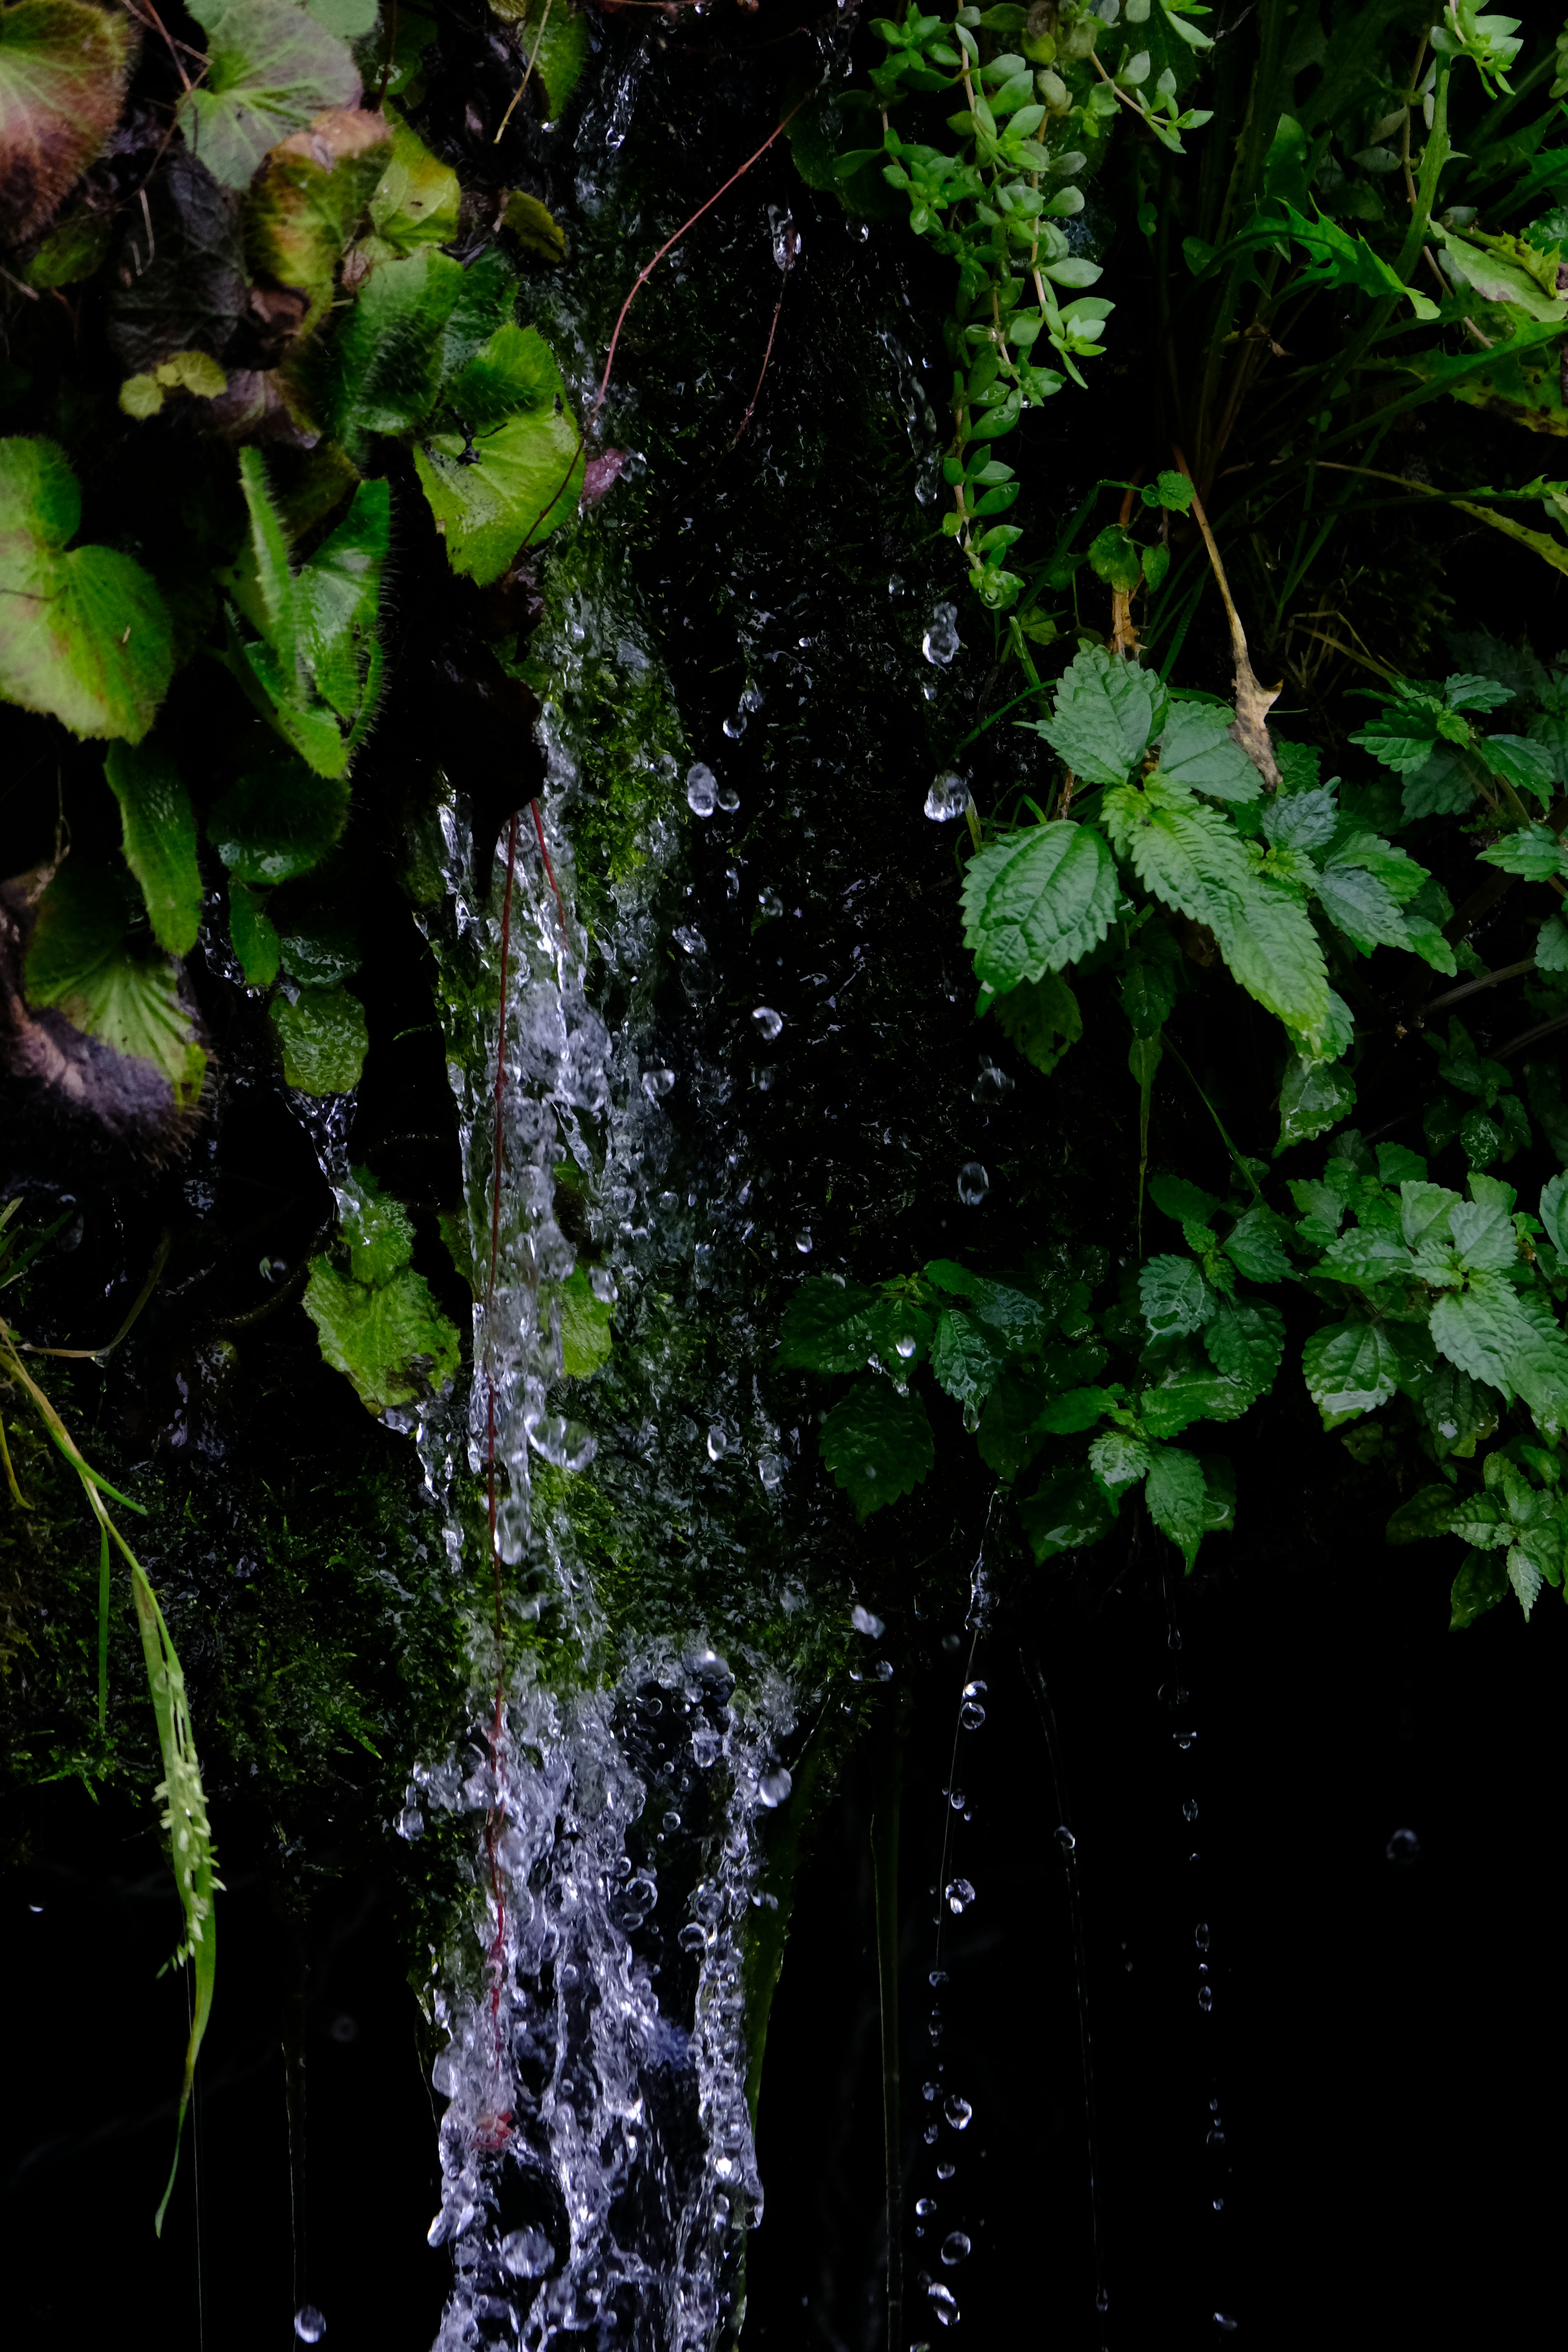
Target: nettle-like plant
x,y
1180,845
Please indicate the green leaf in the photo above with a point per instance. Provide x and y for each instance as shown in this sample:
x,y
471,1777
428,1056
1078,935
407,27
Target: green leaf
x,y
308,198
1074,1411
270,70
1105,713
63,71
1174,1298
1192,858
1246,1341
1534,852
415,201
377,1232
1510,1341
1351,1368
1554,1212
1480,1584
1120,1459
878,1443
1187,1205
965,1357
517,475
78,964
536,229
1429,1512
1254,1246
324,1040
381,371
1041,1018
157,830
1314,1097
84,635
556,43
1484,1235
390,1340
1114,558
253,936
1459,1411
1524,763
278,821
1196,753
826,1326
1017,1316
1177,1495
1150,979
1073,1509
586,1341
1552,945
1184,1393
1168,489
1036,900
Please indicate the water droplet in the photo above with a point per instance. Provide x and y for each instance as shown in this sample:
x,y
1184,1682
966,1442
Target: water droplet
x,y
1101,2300
957,2111
729,800
957,1801
1219,2204
736,726
1190,1810
960,1894
1216,2137
526,2253
973,1184
717,1443
1172,1696
1404,1847
929,2091
1206,1997
769,1022
1222,2319
863,1622
672,1821
769,904
925,2204
770,1470
692,1936
1173,1638
940,642
410,1823
991,1085
1066,1840
803,1242
1201,1936
1184,1739
930,2133
945,2171
656,1084
955,2246
773,1787
975,1689
687,937
906,1345
602,1285
948,798
942,2303
309,2325
701,790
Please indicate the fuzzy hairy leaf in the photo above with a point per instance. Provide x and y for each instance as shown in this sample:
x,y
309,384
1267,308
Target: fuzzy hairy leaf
x,y
79,965
827,1326
253,936
271,68
381,370
390,1339
278,821
878,1443
378,1231
84,634
308,197
63,71
416,200
1036,901
158,828
516,474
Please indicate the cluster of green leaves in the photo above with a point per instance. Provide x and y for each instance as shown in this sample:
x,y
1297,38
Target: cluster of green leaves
x,y
377,1321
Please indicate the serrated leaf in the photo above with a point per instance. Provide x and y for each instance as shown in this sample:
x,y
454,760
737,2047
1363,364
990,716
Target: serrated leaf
x,y
1305,819
1533,852
1484,1235
1522,761
1187,1205
1073,1412
517,475
63,73
1245,1342
1071,1510
1254,1246
391,1340
1104,715
85,634
1197,752
1118,1459
1350,1368
1363,908
1366,1253
1459,1411
1017,1316
1177,1495
1427,1513
1552,945
1185,1394
1480,1584
827,1326
878,1443
1554,1212
965,1357
1174,1298
378,1231
158,831
1041,1018
270,68
1313,1097
1510,1341
1036,901
324,1040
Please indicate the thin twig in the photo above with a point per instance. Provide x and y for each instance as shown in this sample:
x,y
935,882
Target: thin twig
x,y
528,76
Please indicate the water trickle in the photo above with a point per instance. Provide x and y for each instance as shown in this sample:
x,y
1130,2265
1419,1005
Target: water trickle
x,y
309,2325
863,1622
1066,1840
1206,1997
1201,1936
1190,1810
